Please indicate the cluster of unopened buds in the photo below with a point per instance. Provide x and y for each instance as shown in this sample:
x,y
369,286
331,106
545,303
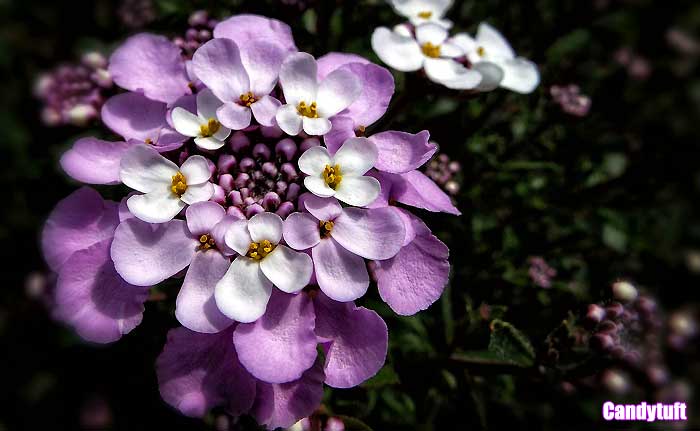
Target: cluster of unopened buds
x,y
253,181
459,62
570,99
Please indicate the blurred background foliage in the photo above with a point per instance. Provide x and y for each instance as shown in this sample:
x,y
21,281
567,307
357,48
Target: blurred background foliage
x,y
611,194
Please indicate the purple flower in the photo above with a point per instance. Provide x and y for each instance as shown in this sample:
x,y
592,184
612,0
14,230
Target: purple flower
x,y
205,127
340,239
246,28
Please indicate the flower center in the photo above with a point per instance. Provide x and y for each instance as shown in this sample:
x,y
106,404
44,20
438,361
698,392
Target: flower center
x,y
248,99
209,129
425,14
309,111
179,186
326,228
258,250
481,51
431,50
148,141
206,242
332,176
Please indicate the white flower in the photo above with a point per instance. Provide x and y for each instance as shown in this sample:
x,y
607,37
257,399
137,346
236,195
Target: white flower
x,y
310,104
492,55
341,175
167,189
429,49
423,11
205,128
244,291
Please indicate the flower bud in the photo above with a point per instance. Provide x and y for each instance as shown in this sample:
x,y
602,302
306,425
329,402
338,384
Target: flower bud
x,y
624,291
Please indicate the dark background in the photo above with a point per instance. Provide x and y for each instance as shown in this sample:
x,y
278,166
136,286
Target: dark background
x,y
613,194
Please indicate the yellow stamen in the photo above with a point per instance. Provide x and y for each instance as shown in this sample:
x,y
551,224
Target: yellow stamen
x,y
309,111
209,129
179,186
481,51
326,227
360,131
206,242
148,141
332,176
258,250
431,50
425,14
248,99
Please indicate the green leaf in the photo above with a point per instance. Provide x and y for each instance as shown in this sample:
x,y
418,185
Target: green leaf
x,y
385,377
508,343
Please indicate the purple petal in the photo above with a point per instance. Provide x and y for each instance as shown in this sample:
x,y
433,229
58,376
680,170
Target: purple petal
x,y
152,65
358,341
281,345
197,372
234,116
401,152
371,233
335,60
245,28
262,60
340,274
133,116
91,297
145,254
417,190
218,65
282,405
219,234
203,216
323,209
195,306
301,231
94,161
343,128
416,277
265,109
78,221
377,90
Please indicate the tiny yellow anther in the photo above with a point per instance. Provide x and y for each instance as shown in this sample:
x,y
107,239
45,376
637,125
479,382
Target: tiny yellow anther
x,y
481,51
209,129
430,50
206,242
258,250
248,99
325,228
425,14
179,184
309,111
332,176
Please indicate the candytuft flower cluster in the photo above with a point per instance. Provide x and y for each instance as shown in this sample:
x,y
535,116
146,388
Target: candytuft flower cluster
x,y
254,187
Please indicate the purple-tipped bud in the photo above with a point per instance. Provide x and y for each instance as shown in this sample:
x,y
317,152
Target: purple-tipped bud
x,y
281,187
308,143
334,424
204,35
235,198
261,151
632,358
293,191
226,182
225,163
270,169
198,18
614,310
289,172
615,381
646,306
254,209
242,180
184,154
608,326
624,291
102,78
239,142
246,164
191,34
245,194
618,352
595,314
94,60
235,212
80,115
657,375
602,342
271,201
219,195
286,149
452,187
285,209
271,132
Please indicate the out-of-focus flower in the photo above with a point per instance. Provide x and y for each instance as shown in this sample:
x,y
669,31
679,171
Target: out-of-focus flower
x,y
74,93
136,13
683,42
540,272
427,48
637,66
423,11
445,173
570,99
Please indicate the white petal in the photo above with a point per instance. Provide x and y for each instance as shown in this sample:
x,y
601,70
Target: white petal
x,y
450,50
316,126
210,143
400,52
314,160
143,169
491,75
451,74
289,120
265,226
196,170
465,42
358,191
238,237
287,269
222,133
338,91
207,104
356,156
318,186
403,30
185,122
495,45
520,75
198,193
298,78
243,292
156,206
431,33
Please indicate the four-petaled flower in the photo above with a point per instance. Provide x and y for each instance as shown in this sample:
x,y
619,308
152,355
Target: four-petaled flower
x,y
423,11
166,188
205,127
342,175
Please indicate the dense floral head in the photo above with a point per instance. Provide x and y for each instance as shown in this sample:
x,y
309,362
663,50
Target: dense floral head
x,y
253,176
